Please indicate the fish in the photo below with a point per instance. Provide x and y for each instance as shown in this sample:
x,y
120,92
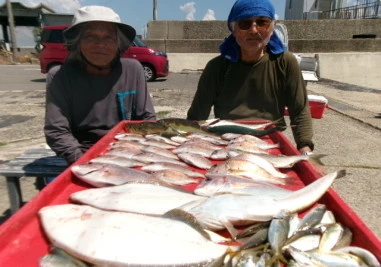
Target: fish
x,y
277,235
129,137
302,258
126,152
222,211
117,160
195,160
174,177
283,161
100,175
223,184
247,146
365,255
263,163
111,238
159,144
254,140
161,151
313,217
181,126
125,143
58,257
195,148
153,198
236,167
160,138
241,130
145,127
334,258
216,140
159,166
331,236
222,154
218,122
149,157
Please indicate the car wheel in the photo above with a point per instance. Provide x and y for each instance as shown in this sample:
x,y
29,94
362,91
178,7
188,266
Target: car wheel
x,y
149,72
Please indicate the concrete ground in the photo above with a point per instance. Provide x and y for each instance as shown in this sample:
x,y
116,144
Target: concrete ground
x,y
349,132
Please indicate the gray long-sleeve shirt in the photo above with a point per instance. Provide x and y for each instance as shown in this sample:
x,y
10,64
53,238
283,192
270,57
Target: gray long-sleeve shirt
x,y
81,107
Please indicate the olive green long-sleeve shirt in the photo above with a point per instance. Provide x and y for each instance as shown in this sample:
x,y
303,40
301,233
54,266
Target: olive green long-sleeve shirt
x,y
255,91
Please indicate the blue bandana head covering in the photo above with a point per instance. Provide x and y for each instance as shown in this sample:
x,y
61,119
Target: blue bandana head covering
x,y
243,9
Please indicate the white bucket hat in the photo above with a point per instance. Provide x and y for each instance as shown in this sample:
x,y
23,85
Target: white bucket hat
x,y
99,13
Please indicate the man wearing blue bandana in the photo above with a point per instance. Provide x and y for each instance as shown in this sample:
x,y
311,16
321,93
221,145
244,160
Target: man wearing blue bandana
x,y
254,77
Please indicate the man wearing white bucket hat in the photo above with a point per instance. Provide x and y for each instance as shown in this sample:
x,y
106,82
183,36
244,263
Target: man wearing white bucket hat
x,y
95,88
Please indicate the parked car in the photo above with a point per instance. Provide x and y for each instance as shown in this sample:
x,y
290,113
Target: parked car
x,y
53,52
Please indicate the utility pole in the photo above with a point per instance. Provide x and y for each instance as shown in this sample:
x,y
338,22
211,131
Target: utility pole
x,y
154,9
12,30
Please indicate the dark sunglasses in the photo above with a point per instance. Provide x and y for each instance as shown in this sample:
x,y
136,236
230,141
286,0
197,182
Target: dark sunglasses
x,y
260,23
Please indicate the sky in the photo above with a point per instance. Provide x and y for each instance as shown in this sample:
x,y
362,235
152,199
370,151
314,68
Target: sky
x,y
138,13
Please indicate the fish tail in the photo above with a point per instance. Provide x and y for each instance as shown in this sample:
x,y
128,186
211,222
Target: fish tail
x,y
316,158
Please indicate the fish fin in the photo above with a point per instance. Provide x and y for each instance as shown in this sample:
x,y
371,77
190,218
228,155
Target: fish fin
x,y
316,158
276,258
188,218
229,226
341,173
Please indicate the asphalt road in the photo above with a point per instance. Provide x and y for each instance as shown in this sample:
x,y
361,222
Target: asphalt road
x,y
349,132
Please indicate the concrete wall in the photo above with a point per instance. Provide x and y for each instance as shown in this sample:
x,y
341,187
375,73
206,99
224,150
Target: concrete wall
x,y
362,69
305,36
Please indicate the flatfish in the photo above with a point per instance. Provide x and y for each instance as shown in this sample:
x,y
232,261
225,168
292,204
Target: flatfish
x,y
110,238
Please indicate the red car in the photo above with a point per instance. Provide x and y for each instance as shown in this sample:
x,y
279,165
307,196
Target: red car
x,y
53,52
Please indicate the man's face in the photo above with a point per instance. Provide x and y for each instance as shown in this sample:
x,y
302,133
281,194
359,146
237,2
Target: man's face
x,y
253,34
99,43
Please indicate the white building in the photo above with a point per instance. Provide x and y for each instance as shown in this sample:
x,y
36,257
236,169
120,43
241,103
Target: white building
x,y
328,9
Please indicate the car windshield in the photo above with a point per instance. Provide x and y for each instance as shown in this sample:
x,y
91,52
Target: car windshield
x,y
139,42
52,36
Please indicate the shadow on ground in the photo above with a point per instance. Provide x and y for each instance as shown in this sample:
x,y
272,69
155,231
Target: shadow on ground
x,y
39,80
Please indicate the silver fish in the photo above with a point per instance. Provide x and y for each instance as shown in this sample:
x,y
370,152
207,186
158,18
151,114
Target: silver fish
x,y
247,146
117,160
57,257
226,210
236,167
195,149
195,160
331,237
161,151
313,217
216,140
153,167
126,152
100,175
364,254
93,235
224,184
157,144
148,198
255,140
277,235
160,138
149,157
283,161
174,177
129,137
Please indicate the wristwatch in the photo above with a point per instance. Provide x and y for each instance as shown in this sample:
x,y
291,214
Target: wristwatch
x,y
307,153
